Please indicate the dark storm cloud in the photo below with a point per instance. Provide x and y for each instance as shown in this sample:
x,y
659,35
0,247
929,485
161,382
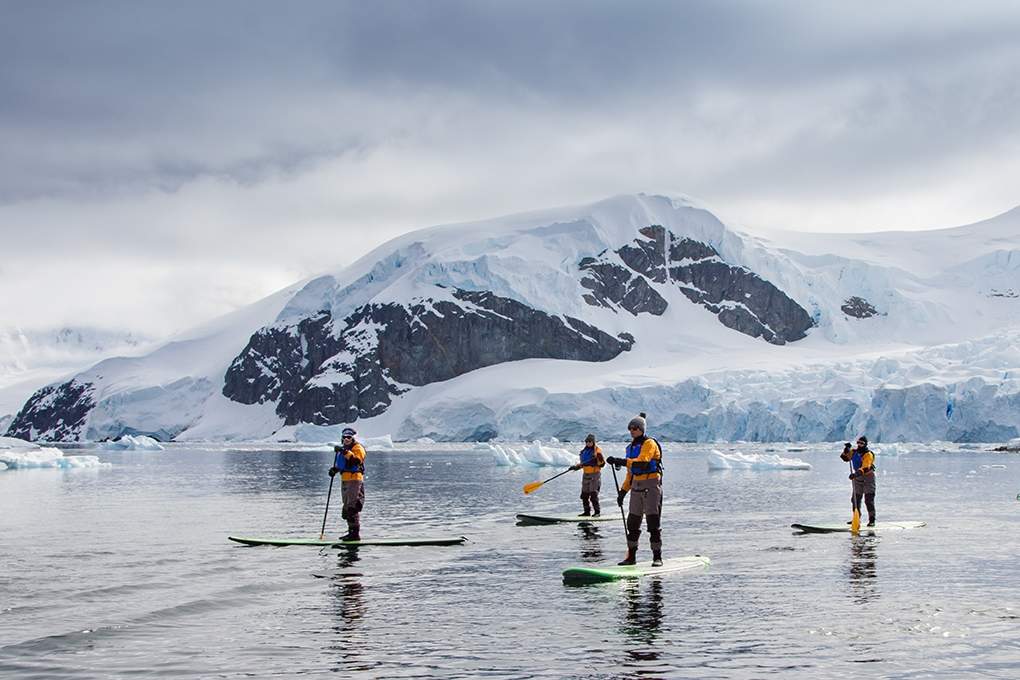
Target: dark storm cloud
x,y
227,148
112,94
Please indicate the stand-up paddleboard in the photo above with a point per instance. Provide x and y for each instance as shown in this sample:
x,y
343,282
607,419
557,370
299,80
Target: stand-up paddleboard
x,y
447,540
845,528
615,573
561,519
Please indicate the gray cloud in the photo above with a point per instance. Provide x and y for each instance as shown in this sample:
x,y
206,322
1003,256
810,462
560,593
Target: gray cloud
x,y
234,146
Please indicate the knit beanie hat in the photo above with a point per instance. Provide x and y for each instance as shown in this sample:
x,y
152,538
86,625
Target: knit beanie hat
x,y
639,422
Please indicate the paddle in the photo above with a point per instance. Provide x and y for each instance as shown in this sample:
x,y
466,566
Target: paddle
x,y
855,521
534,486
617,483
330,493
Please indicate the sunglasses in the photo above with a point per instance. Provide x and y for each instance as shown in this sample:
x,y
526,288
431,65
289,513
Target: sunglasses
x,y
634,429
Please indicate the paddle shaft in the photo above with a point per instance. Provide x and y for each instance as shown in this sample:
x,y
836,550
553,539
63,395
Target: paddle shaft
x,y
328,495
535,486
622,516
559,475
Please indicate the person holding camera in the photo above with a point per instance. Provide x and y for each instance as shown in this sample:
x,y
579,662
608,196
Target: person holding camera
x,y
862,477
349,461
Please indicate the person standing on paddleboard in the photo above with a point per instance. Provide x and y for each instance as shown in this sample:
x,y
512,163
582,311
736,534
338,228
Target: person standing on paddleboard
x,y
349,461
644,481
862,476
591,463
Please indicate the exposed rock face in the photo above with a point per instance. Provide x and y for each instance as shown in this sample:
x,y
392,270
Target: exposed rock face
x,y
858,307
740,299
613,285
326,372
54,413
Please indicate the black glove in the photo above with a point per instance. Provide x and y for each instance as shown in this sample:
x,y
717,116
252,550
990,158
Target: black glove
x,y
620,495
853,475
333,471
616,462
575,467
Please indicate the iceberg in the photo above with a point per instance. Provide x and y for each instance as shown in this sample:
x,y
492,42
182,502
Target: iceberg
x,y
535,454
134,443
384,442
18,454
717,460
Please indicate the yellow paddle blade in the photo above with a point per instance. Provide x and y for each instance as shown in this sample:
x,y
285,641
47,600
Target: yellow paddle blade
x,y
855,525
528,488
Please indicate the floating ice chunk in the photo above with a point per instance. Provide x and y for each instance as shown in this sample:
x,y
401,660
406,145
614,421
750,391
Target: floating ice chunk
x,y
717,460
505,456
134,443
384,442
890,450
20,454
424,440
483,446
535,453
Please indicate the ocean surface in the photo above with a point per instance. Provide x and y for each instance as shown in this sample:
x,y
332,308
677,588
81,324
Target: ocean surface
x,y
126,571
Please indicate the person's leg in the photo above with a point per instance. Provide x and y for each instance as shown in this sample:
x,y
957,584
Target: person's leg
x,y
595,503
585,503
869,501
655,537
633,534
354,498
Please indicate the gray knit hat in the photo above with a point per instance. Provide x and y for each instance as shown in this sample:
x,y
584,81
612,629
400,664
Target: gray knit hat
x,y
639,422
590,438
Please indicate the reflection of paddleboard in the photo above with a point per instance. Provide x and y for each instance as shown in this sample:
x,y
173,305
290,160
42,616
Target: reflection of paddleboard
x,y
596,574
449,540
845,528
557,519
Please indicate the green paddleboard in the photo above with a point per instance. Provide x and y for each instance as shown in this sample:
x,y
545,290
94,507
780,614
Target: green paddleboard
x,y
560,519
448,540
843,528
615,573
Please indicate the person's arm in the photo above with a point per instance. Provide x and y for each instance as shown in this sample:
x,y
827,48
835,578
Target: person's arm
x,y
357,452
599,458
867,462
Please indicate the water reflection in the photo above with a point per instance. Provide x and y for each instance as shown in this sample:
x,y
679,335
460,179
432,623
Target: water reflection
x,y
348,607
642,619
590,539
862,569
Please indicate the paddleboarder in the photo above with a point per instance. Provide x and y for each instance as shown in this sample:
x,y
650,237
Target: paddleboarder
x,y
644,481
349,461
862,477
591,463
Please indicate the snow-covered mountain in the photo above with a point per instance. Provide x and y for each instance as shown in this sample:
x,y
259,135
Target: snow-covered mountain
x,y
569,320
33,357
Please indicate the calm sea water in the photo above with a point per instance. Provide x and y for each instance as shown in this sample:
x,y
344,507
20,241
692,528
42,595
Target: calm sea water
x,y
126,572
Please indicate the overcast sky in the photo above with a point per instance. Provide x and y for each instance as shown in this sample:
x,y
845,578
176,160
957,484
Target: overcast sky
x,y
162,163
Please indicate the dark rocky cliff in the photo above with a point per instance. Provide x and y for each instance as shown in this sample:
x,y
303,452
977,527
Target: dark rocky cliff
x,y
327,372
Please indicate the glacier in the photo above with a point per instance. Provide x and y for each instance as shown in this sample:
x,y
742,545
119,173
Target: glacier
x,y
914,337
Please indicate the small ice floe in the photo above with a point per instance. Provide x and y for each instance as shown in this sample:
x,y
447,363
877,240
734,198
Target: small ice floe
x,y
384,442
18,454
892,449
717,460
993,467
535,453
133,443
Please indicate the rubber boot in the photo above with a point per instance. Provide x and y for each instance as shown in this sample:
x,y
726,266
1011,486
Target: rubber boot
x,y
657,558
595,505
631,557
